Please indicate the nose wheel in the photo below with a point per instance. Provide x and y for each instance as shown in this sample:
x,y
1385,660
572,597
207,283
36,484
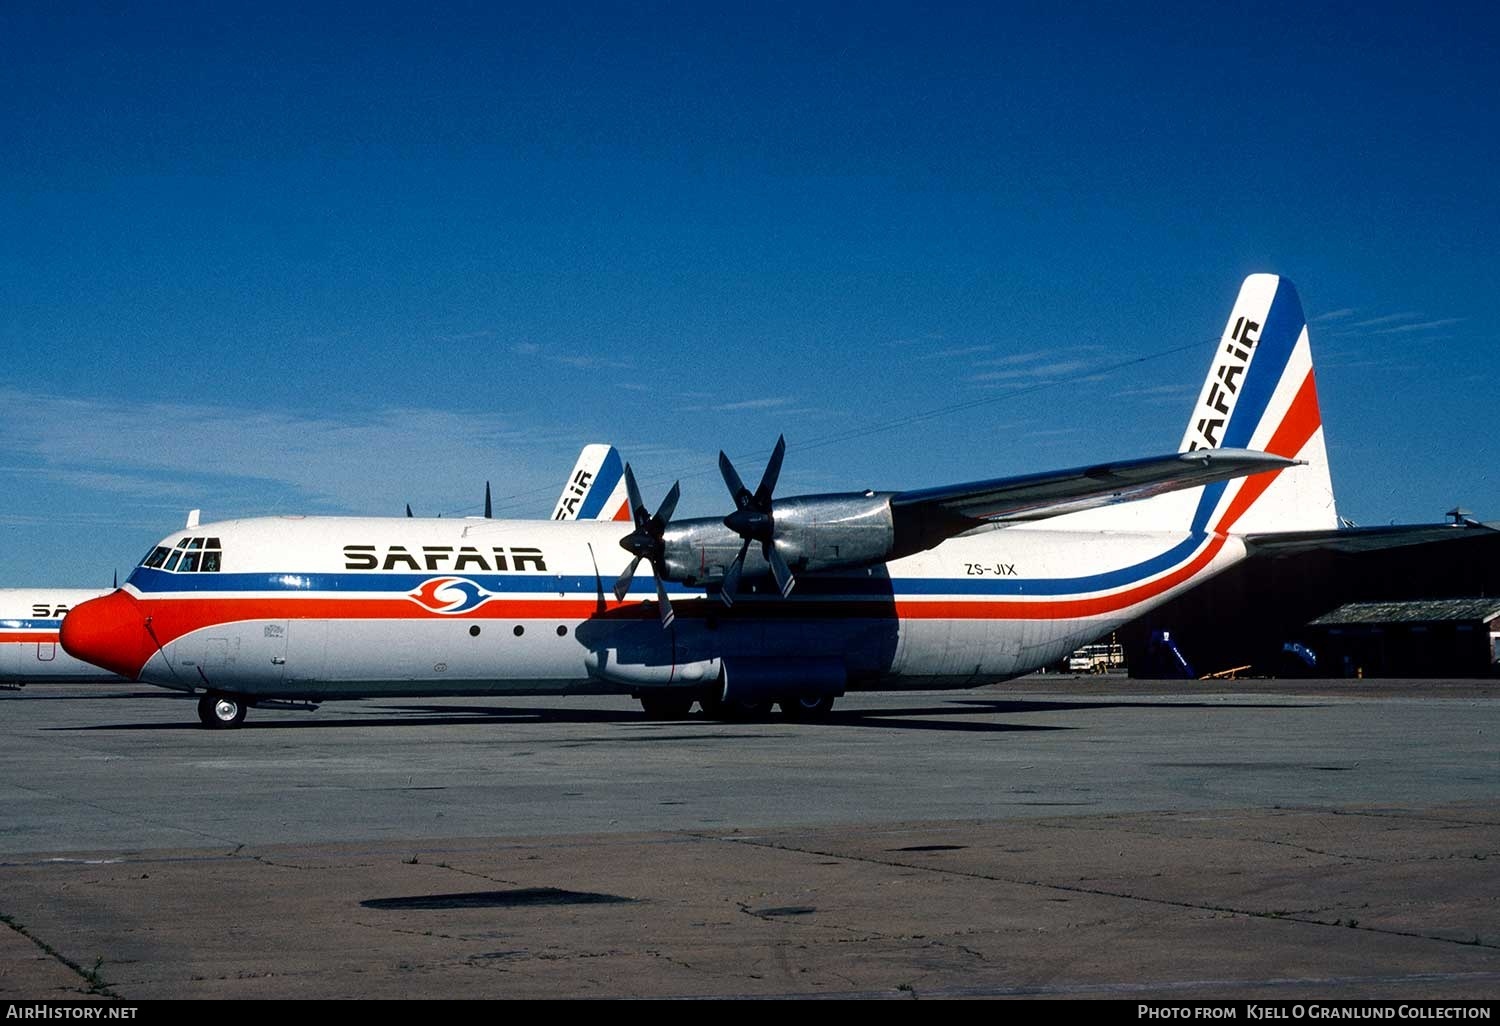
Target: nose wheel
x,y
221,712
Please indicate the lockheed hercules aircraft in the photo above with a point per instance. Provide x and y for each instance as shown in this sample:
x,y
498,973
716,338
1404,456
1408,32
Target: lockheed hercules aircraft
x,y
31,618
792,600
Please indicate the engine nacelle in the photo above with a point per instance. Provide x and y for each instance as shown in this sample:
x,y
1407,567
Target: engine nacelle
x,y
813,532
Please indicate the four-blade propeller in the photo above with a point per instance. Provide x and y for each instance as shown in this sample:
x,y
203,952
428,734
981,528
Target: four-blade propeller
x,y
753,520
645,542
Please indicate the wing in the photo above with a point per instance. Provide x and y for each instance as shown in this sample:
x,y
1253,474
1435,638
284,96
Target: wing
x,y
926,515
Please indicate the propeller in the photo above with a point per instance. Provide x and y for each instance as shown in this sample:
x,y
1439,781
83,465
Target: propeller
x,y
753,520
645,542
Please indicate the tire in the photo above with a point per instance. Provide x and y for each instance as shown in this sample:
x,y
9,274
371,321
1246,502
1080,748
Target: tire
x,y
807,708
735,712
666,707
221,712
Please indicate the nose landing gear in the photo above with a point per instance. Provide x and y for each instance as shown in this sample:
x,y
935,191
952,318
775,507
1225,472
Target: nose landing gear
x,y
219,711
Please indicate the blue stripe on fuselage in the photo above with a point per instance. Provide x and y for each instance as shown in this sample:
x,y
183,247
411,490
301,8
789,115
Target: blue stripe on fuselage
x,y
149,581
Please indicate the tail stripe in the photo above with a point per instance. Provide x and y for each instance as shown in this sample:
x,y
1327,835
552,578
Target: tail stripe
x,y
611,472
1301,422
1278,337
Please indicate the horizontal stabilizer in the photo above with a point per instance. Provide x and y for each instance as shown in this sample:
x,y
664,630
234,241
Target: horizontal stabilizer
x,y
1366,539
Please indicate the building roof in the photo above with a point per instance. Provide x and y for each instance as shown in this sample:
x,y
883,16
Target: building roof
x,y
1461,610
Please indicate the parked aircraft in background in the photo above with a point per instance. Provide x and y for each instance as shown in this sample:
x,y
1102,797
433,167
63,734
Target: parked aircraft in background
x,y
786,600
29,651
595,490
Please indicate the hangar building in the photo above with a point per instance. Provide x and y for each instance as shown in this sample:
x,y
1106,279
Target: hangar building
x,y
1249,615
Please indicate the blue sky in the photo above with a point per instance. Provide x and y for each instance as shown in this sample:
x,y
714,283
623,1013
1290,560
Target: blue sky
x,y
264,258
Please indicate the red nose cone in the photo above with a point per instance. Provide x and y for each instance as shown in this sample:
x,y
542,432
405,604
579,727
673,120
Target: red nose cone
x,y
109,631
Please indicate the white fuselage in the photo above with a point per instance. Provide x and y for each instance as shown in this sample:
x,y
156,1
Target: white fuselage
x,y
340,607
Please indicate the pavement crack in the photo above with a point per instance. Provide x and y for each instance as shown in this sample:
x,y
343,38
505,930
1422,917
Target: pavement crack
x,y
475,874
91,976
1195,906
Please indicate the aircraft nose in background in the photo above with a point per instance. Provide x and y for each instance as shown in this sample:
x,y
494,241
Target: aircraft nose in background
x,y
109,631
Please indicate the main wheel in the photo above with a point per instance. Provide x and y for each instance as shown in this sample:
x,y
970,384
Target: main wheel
x,y
718,709
666,707
221,712
807,707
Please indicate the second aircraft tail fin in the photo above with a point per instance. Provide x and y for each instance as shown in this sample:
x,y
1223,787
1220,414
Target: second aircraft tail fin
x,y
595,490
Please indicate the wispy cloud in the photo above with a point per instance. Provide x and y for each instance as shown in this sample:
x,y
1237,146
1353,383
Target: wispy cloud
x,y
1334,315
955,351
584,362
1404,329
1375,322
1035,372
769,403
581,361
213,455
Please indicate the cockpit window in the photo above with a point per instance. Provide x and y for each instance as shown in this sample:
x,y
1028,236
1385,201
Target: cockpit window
x,y
190,555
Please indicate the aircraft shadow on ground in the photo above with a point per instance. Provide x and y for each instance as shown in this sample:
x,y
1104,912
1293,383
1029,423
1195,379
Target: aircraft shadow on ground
x,y
955,716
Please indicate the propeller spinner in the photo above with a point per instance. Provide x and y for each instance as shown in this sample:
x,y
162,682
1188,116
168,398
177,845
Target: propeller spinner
x,y
645,542
753,520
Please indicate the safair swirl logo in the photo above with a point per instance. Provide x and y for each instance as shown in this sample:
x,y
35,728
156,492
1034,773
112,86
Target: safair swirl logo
x,y
450,595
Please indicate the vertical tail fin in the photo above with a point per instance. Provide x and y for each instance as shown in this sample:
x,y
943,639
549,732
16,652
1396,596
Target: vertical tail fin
x,y
595,490
1260,394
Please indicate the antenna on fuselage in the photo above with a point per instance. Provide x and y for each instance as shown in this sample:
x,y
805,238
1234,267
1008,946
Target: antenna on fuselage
x,y
489,511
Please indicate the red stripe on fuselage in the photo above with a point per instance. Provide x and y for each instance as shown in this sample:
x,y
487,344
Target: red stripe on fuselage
x,y
29,637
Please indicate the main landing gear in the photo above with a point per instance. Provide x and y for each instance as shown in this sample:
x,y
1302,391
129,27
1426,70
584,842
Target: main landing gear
x,y
807,707
219,711
673,706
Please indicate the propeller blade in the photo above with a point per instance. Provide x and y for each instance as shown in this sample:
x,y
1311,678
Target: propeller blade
x,y
782,572
668,507
489,511
773,471
622,584
731,584
637,507
737,489
667,615
646,542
